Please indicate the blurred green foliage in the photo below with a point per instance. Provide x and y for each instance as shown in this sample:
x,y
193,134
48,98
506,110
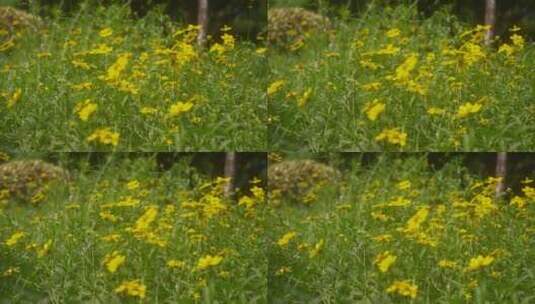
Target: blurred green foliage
x,y
246,17
520,165
209,165
509,12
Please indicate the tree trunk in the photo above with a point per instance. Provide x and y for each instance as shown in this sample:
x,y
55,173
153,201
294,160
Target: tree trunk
x,y
230,172
202,22
490,19
501,172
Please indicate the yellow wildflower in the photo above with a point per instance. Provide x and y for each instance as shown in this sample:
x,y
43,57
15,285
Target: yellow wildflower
x,y
14,98
399,201
302,100
414,223
372,86
484,205
176,264
404,185
529,192
106,215
414,87
518,41
384,260
468,108
10,271
105,32
127,86
404,288
374,109
380,216
128,201
479,262
403,71
142,224
393,33
247,201
393,136
389,49
507,49
316,249
368,64
275,86
85,109
208,261
14,238
283,270
435,111
258,193
7,45
228,41
81,64
213,206
114,237
472,53
132,288
286,238
132,185
101,49
526,180
179,107
44,249
113,261
82,86
382,238
148,110
38,197
114,71
447,264
105,136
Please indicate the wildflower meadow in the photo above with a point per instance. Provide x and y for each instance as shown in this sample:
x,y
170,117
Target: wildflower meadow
x,y
395,80
246,152
397,230
102,79
124,232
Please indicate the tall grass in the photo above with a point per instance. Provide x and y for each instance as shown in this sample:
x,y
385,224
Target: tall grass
x,y
392,81
400,220
144,81
126,222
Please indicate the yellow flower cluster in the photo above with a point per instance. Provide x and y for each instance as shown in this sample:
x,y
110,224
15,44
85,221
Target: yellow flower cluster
x,y
393,136
85,109
209,261
479,262
179,107
104,136
14,238
132,288
113,261
286,238
374,109
384,261
404,288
